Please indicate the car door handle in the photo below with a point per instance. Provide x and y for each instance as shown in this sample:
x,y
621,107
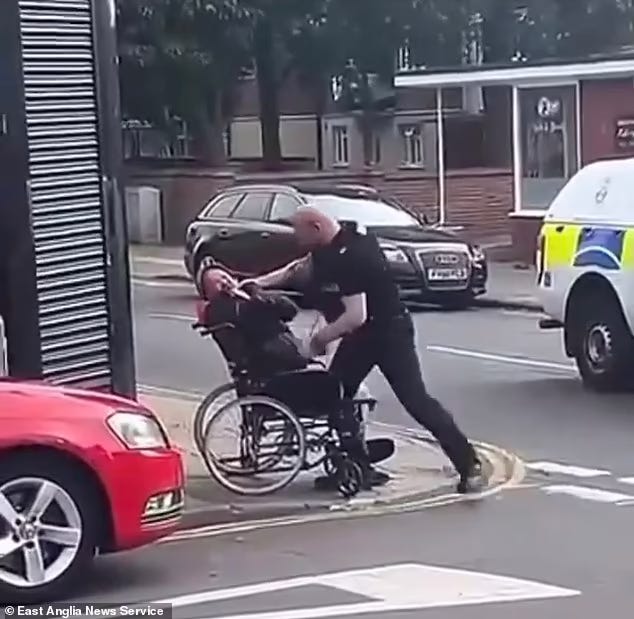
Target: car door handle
x,y
223,233
265,235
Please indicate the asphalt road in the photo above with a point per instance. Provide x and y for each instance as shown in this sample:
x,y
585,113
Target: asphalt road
x,y
568,526
522,535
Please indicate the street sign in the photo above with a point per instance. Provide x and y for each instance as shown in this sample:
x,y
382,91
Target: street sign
x,y
624,134
392,588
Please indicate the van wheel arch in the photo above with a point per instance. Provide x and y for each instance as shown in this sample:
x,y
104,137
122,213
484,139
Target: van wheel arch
x,y
593,309
588,286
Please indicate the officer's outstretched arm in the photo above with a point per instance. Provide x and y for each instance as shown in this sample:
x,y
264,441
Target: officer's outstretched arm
x,y
354,315
296,272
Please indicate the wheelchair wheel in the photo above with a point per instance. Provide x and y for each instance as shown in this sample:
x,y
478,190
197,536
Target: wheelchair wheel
x,y
253,445
349,478
213,400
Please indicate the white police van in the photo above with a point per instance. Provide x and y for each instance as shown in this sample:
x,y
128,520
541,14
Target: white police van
x,y
585,267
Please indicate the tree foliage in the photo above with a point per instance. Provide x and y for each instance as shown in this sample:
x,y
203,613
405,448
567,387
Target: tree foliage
x,y
180,59
183,58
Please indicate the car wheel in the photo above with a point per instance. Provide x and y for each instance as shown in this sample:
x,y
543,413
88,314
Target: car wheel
x,y
604,348
49,518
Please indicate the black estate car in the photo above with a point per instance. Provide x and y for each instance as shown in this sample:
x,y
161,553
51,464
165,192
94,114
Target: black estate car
x,y
246,228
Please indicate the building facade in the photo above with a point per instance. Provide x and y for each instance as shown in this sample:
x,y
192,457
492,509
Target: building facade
x,y
557,117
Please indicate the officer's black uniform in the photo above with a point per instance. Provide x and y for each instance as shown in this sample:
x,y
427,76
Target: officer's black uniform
x,y
355,264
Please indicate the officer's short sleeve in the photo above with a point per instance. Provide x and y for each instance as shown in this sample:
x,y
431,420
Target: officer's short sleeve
x,y
352,269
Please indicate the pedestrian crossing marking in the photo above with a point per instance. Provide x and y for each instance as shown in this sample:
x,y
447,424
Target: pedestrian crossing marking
x,y
566,469
392,588
589,494
626,480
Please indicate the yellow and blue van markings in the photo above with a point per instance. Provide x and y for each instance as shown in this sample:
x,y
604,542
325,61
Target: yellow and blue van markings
x,y
582,246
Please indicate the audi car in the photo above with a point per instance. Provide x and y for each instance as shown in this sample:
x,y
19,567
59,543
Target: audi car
x,y
247,229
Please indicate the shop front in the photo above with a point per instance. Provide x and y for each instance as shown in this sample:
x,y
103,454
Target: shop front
x,y
561,116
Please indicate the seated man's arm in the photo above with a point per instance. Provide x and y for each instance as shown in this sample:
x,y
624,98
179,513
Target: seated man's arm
x,y
296,272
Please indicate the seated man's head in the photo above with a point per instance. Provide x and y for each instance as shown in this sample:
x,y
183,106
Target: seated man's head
x,y
216,282
313,228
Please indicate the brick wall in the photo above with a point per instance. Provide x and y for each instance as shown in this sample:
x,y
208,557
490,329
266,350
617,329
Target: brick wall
x,y
603,102
478,199
481,200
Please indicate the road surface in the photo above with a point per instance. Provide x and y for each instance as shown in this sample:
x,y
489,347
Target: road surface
x,y
564,534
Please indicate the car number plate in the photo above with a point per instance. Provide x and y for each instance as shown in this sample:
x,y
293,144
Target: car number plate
x,y
446,274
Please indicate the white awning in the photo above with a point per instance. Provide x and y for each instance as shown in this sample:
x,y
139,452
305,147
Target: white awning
x,y
517,75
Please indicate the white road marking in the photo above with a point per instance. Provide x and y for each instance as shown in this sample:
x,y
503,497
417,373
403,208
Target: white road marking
x,y
395,588
161,284
475,354
566,469
153,260
519,313
626,480
590,494
174,393
180,317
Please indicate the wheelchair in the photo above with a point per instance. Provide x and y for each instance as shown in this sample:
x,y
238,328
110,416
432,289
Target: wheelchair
x,y
282,423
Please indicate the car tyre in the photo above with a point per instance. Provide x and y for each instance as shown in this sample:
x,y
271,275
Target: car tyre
x,y
72,491
604,348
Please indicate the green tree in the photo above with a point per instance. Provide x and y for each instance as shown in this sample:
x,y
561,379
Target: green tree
x,y
523,30
365,37
181,59
275,24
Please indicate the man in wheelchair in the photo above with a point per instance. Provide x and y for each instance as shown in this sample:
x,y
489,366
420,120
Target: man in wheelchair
x,y
373,326
272,351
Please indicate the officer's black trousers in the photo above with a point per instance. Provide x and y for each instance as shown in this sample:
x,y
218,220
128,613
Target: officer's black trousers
x,y
391,346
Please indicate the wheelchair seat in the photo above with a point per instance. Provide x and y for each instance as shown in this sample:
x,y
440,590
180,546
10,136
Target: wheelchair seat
x,y
308,393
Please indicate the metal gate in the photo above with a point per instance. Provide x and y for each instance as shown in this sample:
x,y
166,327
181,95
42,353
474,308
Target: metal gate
x,y
67,202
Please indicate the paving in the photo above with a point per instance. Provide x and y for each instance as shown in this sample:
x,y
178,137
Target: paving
x,y
418,468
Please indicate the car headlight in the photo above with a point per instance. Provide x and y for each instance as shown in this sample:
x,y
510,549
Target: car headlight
x,y
394,255
137,431
477,254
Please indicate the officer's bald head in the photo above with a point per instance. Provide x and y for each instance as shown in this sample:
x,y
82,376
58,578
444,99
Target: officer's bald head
x,y
313,228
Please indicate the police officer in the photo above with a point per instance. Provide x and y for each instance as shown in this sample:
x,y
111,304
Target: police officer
x,y
374,327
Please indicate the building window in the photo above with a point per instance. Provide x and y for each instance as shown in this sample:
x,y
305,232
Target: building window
x,y
548,143
376,149
340,146
412,146
403,57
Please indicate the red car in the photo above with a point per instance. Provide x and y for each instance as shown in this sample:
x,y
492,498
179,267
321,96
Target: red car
x,y
81,473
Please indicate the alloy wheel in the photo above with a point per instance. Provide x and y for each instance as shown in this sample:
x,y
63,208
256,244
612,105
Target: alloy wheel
x,y
40,532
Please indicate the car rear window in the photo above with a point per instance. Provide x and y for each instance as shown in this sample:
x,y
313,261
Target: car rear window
x,y
253,207
222,207
284,207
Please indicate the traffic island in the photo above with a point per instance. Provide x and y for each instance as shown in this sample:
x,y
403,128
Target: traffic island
x,y
419,470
